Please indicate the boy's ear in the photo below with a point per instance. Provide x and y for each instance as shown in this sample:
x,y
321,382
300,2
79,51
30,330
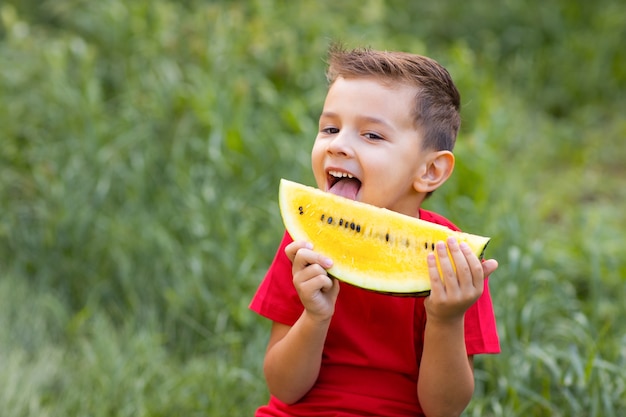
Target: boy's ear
x,y
435,170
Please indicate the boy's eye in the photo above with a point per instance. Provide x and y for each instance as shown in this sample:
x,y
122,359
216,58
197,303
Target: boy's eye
x,y
373,136
330,130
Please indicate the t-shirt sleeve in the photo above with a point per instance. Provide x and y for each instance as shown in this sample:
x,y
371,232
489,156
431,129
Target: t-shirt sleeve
x,y
276,298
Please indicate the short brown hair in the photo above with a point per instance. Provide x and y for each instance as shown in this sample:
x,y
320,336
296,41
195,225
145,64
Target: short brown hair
x,y
438,102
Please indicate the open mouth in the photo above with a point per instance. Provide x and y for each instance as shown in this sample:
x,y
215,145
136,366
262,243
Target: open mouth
x,y
343,184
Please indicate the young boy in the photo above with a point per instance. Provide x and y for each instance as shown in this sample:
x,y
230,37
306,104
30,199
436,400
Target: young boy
x,y
386,134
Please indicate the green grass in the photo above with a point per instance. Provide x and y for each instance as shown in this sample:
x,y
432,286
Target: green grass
x,y
141,147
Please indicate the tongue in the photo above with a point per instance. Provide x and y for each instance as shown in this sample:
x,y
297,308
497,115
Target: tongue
x,y
346,187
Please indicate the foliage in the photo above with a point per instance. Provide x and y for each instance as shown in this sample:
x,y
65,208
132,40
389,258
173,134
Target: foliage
x,y
142,143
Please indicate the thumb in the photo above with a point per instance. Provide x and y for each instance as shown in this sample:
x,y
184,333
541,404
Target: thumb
x,y
489,266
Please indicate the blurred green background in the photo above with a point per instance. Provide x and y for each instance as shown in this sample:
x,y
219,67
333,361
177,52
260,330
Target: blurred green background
x,y
141,145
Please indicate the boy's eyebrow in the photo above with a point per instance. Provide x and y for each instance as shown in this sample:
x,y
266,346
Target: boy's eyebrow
x,y
370,119
328,114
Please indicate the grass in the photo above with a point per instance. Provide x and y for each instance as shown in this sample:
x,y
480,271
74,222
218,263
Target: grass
x,y
142,144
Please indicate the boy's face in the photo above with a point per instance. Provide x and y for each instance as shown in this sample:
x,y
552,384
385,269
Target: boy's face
x,y
367,147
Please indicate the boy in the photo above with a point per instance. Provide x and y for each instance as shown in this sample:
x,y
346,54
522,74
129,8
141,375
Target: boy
x,y
385,137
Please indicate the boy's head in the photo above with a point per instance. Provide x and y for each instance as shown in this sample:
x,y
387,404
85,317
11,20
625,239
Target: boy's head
x,y
437,103
387,128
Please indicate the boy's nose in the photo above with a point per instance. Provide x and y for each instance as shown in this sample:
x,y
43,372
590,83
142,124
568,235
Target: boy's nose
x,y
341,145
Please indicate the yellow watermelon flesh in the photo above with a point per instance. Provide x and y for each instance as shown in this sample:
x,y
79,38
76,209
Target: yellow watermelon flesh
x,y
371,247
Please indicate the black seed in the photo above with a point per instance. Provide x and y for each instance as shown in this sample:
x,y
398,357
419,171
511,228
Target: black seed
x,y
323,217
358,228
426,245
387,237
340,222
352,226
433,246
301,210
330,220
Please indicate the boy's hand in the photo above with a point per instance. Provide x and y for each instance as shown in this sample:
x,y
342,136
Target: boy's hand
x,y
317,291
452,293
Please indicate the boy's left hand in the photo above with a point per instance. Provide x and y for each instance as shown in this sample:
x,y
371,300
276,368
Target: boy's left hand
x,y
453,292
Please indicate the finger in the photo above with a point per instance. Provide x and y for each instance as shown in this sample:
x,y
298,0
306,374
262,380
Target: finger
x,y
313,278
336,288
461,263
332,288
445,266
436,283
292,248
474,266
305,257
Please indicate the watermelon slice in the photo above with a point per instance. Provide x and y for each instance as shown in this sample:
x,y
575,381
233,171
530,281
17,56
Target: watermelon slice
x,y
371,247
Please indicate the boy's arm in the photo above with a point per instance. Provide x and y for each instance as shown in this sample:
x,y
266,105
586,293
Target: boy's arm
x,y
446,380
294,353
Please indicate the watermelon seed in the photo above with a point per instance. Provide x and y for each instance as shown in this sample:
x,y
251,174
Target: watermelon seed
x,y
301,210
358,228
433,246
340,222
426,245
352,226
330,220
387,237
323,217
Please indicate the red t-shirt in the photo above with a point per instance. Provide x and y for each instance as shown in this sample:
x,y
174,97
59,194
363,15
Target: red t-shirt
x,y
373,347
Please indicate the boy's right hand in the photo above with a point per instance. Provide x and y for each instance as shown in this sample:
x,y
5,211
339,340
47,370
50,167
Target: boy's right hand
x,y
317,291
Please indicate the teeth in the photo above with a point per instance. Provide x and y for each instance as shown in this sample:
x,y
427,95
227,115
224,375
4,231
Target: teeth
x,y
338,174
